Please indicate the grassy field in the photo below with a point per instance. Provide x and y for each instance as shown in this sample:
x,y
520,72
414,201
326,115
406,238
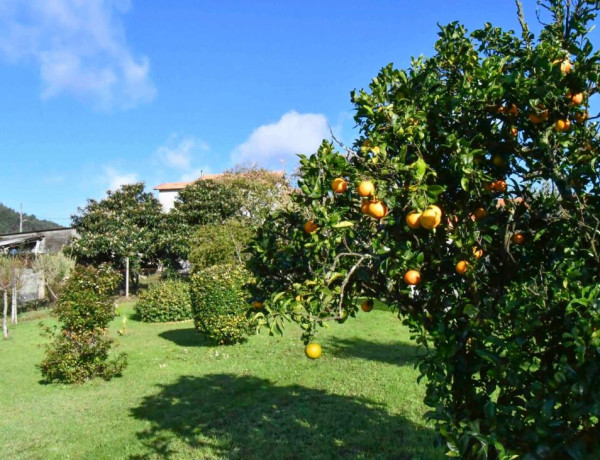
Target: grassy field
x,y
182,398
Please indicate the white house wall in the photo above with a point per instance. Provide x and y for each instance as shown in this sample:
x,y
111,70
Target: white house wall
x,y
167,199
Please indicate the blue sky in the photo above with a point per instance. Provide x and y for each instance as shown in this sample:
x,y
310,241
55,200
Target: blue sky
x,y
98,93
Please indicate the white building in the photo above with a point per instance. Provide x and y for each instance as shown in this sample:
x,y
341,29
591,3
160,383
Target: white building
x,y
167,192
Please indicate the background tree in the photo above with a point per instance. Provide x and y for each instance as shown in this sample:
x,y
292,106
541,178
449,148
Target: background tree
x,y
246,194
125,224
497,281
5,284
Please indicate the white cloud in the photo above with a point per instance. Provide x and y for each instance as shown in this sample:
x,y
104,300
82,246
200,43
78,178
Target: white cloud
x,y
116,179
273,144
178,152
80,48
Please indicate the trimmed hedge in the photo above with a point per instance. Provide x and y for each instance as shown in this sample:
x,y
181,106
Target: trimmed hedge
x,y
220,303
168,300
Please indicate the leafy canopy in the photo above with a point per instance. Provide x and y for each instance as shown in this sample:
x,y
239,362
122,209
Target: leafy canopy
x,y
494,130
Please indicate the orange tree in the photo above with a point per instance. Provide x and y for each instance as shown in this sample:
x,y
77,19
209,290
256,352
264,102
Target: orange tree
x,y
499,280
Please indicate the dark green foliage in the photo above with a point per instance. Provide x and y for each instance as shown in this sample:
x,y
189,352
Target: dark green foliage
x,y
220,301
78,357
81,349
167,300
246,194
9,221
221,243
512,367
87,300
126,223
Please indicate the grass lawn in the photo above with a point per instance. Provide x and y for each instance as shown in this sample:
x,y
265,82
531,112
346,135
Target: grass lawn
x,y
183,398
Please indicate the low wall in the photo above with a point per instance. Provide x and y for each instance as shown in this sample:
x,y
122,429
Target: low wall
x,y
32,286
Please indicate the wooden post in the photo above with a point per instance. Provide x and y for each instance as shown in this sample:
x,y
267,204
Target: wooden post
x,y
127,277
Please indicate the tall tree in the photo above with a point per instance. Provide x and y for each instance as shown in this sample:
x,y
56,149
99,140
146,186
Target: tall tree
x,y
437,212
245,193
123,225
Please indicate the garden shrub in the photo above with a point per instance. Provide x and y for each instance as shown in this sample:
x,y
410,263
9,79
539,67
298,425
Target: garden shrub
x,y
167,300
81,349
220,303
220,243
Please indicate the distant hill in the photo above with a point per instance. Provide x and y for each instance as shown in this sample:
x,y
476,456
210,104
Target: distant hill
x,y
9,221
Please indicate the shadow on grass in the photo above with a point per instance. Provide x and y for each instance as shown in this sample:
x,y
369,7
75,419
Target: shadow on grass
x,y
186,337
400,353
230,416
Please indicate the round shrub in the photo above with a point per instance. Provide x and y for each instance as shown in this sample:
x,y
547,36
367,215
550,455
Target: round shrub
x,y
220,303
165,301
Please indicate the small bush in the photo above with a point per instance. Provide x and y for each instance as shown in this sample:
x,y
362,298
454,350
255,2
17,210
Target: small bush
x,y
220,243
87,300
77,357
165,301
220,303
81,349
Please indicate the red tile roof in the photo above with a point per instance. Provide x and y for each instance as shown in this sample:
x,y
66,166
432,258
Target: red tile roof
x,y
167,186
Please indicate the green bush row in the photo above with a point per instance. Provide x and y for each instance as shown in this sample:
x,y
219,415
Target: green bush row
x,y
168,300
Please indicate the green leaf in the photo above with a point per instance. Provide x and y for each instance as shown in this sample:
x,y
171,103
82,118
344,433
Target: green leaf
x,y
464,183
344,224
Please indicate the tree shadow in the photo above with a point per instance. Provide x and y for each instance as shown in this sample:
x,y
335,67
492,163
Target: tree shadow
x,y
186,337
230,416
399,354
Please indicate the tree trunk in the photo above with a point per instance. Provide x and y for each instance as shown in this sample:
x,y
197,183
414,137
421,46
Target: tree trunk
x,y
13,307
127,277
4,312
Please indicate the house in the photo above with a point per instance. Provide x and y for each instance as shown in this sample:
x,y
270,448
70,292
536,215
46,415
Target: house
x,y
38,242
168,191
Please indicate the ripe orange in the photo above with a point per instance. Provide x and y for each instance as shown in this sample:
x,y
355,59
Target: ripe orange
x,y
477,252
518,238
480,213
310,226
582,116
257,304
488,186
499,186
512,110
565,66
562,125
461,267
431,217
313,350
366,188
412,277
367,306
364,206
378,209
339,185
514,131
413,219
539,117
576,99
